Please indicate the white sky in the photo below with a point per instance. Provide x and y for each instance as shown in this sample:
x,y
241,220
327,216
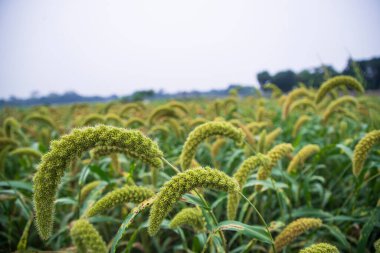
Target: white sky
x,y
100,47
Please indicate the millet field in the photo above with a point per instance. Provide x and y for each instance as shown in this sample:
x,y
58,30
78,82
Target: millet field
x,y
273,172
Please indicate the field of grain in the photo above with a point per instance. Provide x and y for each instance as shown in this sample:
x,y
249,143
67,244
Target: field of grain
x,y
295,172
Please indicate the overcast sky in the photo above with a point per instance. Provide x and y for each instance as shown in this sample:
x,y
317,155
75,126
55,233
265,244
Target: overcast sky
x,y
100,47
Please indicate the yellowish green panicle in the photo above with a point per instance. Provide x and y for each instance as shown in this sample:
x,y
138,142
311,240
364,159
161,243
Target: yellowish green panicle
x,y
185,182
160,112
376,245
301,156
5,141
22,244
337,81
10,125
190,216
275,154
262,141
72,145
294,230
204,131
93,119
320,248
42,119
27,152
292,96
132,194
88,188
336,104
86,238
362,149
128,107
114,119
134,121
241,176
299,123
276,92
303,103
271,137
178,105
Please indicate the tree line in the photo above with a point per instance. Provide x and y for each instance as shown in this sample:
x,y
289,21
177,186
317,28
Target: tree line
x,y
366,71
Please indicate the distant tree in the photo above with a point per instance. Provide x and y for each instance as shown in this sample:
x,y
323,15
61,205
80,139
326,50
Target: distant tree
x,y
141,95
263,77
285,80
368,70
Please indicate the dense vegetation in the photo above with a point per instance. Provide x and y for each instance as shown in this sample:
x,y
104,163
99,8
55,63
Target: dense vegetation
x,y
293,172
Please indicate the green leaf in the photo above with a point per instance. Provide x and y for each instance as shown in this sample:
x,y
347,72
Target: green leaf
x,y
17,184
97,170
335,231
189,198
346,150
309,212
367,229
257,232
266,183
65,201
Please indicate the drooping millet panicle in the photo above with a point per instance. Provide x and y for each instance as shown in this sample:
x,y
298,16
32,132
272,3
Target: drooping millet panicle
x,y
128,107
42,119
132,194
253,126
337,81
109,150
190,216
196,122
182,183
134,121
160,112
376,245
291,98
178,105
5,141
86,238
301,157
70,146
176,127
275,154
241,176
114,119
22,244
88,188
334,105
27,152
10,125
299,123
260,114
93,119
362,149
159,129
294,230
303,104
216,146
276,92
261,145
346,113
204,131
270,138
320,248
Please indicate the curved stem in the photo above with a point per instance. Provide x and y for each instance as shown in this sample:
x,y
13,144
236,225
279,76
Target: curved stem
x,y
261,219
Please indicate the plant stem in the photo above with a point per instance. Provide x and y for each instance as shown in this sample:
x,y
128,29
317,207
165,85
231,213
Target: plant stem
x,y
170,165
261,219
278,197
